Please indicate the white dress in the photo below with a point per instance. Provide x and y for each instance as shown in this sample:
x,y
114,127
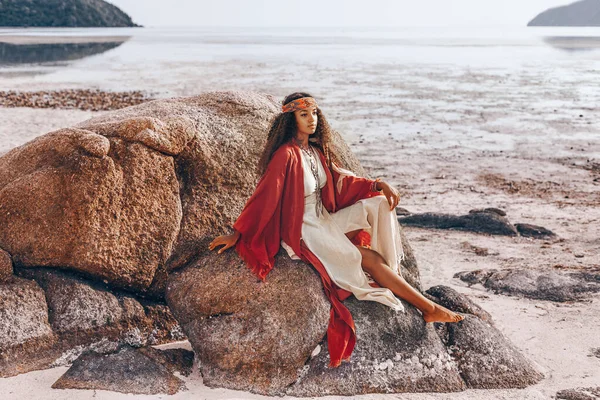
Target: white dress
x,y
325,237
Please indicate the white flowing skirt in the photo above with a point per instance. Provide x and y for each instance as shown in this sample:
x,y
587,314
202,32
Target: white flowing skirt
x,y
325,237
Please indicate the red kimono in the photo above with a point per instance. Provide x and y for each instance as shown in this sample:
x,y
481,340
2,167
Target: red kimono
x,y
275,211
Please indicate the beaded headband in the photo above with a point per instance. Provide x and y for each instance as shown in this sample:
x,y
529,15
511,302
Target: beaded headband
x,y
299,104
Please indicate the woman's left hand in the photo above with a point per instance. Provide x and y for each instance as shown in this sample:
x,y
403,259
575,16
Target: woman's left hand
x,y
390,193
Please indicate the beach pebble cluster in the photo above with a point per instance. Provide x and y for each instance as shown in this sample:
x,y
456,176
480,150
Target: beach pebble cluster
x,y
82,99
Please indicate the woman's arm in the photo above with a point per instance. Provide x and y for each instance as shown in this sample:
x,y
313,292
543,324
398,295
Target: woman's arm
x,y
351,188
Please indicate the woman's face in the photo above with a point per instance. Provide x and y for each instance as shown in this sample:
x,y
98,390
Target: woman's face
x,y
306,120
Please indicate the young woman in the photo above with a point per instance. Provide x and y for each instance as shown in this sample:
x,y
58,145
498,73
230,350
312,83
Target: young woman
x,y
313,208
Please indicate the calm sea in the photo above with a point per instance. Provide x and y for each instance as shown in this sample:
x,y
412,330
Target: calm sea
x,y
475,83
172,61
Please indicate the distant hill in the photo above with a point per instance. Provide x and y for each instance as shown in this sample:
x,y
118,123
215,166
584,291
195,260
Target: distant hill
x,y
581,13
62,13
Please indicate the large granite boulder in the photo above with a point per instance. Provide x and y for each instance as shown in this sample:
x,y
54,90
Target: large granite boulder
x,y
249,335
75,199
26,338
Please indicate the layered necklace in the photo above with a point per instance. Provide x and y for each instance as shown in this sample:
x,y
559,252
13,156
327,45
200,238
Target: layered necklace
x,y
313,159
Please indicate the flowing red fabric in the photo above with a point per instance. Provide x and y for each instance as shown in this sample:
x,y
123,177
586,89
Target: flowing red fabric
x,y
275,211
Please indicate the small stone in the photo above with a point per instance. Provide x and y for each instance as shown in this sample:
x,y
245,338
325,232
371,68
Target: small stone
x,y
316,351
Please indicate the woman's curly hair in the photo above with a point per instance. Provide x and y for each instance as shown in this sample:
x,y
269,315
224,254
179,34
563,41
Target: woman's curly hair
x,y
284,128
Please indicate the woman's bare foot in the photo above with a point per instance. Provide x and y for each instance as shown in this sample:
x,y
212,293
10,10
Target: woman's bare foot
x,y
442,314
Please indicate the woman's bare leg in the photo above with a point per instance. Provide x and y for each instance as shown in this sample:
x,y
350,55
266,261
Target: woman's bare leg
x,y
374,264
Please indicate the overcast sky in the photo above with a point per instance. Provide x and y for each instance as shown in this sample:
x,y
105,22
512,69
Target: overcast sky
x,y
332,13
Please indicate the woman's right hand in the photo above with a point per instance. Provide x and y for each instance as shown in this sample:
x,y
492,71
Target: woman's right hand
x,y
227,240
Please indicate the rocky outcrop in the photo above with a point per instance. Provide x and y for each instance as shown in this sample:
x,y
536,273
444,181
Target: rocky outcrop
x,y
485,358
62,13
82,312
491,221
27,340
127,371
121,197
534,231
480,221
533,284
580,13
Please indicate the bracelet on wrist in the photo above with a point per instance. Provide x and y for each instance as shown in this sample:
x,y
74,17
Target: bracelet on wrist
x,y
374,185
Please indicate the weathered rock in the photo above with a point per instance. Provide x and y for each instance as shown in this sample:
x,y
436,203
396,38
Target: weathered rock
x,y
534,231
86,316
82,312
593,277
395,352
128,371
590,393
26,337
175,360
486,359
492,210
534,284
6,266
165,327
249,335
402,211
457,302
480,222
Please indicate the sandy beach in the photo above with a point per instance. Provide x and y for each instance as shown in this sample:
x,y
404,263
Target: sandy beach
x,y
522,137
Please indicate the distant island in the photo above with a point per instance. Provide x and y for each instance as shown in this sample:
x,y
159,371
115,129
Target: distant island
x,y
581,13
62,13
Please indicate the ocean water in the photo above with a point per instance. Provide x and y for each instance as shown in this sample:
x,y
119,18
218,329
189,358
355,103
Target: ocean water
x,y
489,88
